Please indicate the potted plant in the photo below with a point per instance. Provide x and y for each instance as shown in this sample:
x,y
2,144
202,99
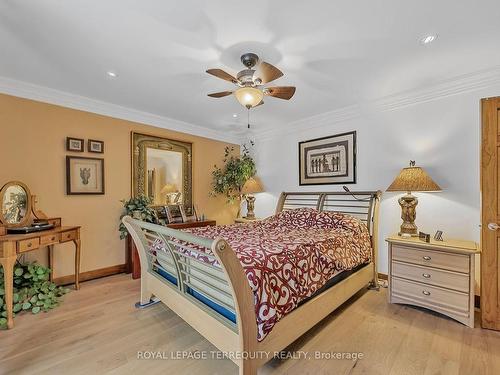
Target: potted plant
x,y
139,208
229,179
32,291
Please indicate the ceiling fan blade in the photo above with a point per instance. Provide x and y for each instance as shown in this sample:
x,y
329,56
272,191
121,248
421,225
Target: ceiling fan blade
x,y
281,92
268,72
220,94
219,73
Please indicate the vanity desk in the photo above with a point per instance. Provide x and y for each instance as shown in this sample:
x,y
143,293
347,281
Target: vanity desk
x,y
17,211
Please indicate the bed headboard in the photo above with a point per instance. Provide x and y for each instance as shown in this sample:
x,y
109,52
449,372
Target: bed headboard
x,y
360,204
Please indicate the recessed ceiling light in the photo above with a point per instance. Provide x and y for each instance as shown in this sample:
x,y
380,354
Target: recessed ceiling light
x,y
428,39
112,74
235,115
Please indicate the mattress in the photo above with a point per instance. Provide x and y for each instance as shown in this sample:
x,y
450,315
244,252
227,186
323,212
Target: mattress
x,y
230,315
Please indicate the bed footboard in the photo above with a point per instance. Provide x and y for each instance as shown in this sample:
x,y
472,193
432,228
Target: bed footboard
x,y
209,290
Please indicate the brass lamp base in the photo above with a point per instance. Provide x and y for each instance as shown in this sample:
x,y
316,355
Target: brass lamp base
x,y
408,203
250,207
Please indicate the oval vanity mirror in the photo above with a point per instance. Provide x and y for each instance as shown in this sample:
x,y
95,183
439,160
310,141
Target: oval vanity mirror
x,y
15,204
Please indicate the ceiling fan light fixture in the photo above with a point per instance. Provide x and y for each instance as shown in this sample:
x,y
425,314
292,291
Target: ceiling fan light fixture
x,y
249,97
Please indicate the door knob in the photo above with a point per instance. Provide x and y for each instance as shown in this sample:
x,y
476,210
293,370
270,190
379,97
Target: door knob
x,y
493,226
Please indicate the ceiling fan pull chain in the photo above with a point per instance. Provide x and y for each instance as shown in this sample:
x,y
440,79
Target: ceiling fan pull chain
x,y
248,117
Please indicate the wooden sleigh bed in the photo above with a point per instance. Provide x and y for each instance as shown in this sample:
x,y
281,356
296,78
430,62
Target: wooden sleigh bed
x,y
189,287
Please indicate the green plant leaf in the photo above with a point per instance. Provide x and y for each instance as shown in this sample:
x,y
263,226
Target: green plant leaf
x,y
17,307
18,271
35,310
26,305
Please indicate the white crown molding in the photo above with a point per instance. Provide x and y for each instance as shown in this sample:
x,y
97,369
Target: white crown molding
x,y
455,86
47,95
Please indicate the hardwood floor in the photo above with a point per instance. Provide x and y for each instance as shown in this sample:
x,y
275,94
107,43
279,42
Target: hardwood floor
x,y
97,330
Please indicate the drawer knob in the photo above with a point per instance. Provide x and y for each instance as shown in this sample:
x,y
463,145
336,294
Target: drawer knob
x,y
426,257
426,275
52,238
426,293
30,244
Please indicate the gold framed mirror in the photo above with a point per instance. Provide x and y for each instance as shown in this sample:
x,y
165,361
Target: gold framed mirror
x,y
162,170
15,204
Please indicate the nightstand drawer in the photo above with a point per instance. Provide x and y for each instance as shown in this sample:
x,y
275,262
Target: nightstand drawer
x,y
27,245
430,296
437,259
433,276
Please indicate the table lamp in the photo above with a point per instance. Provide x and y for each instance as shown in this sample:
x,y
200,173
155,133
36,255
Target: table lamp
x,y
251,187
168,190
410,179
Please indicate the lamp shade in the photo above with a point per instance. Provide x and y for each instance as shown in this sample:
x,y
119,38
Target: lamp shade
x,y
169,188
249,96
413,179
252,186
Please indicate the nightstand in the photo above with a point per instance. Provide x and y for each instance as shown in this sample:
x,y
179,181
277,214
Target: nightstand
x,y
243,220
438,275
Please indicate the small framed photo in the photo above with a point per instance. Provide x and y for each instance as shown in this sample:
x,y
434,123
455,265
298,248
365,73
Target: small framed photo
x,y
74,144
95,146
439,235
183,213
174,213
84,175
426,237
191,217
161,214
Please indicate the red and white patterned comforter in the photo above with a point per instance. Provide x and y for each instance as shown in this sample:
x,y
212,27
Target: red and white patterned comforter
x,y
289,256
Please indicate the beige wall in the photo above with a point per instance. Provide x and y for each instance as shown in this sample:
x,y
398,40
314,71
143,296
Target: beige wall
x,y
32,150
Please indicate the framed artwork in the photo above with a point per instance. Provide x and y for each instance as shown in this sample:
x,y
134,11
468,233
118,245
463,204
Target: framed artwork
x,y
192,217
183,213
161,214
74,144
95,146
328,160
84,175
174,213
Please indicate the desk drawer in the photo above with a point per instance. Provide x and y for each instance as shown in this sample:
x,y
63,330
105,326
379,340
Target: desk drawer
x,y
433,276
50,239
437,259
28,245
68,236
430,295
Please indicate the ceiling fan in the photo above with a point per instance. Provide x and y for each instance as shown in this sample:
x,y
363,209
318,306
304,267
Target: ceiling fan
x,y
250,82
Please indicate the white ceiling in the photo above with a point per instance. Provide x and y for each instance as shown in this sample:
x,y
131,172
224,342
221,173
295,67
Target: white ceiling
x,y
337,53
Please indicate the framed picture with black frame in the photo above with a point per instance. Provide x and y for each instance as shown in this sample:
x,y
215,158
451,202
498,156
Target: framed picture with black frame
x,y
95,146
84,175
328,160
74,144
